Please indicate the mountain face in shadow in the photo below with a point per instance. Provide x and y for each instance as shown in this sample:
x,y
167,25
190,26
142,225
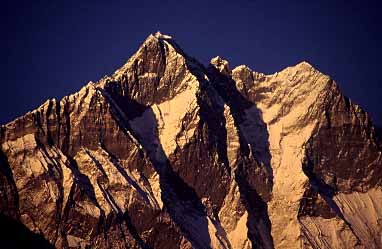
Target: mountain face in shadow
x,y
16,235
168,153
379,134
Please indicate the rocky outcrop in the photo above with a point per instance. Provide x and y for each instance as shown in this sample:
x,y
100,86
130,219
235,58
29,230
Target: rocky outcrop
x,y
167,153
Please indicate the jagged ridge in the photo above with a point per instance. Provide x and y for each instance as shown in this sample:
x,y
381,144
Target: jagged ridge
x,y
167,153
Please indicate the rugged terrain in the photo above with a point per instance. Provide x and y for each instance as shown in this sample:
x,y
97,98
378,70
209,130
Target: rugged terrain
x,y
168,153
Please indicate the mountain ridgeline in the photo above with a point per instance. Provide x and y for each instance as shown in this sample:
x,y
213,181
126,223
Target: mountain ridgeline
x,y
168,153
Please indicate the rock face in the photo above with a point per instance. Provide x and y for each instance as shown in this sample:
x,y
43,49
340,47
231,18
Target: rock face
x,y
167,153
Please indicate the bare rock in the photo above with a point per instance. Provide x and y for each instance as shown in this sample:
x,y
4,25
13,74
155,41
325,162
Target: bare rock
x,y
167,153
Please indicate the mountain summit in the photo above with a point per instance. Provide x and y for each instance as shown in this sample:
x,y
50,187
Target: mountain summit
x,y
168,153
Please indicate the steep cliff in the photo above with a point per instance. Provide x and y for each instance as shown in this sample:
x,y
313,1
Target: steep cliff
x,y
167,153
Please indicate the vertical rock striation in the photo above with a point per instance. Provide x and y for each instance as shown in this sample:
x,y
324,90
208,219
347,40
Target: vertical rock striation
x,y
167,153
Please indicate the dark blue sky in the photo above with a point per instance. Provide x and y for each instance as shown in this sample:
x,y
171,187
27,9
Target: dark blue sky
x,y
52,48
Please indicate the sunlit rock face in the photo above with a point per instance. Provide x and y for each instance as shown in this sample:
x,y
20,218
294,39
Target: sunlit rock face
x,y
168,153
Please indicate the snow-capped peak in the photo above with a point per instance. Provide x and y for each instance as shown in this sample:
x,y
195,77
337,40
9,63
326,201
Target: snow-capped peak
x,y
221,64
159,35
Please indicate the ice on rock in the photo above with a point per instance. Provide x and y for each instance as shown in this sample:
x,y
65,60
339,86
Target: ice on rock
x,y
159,35
175,155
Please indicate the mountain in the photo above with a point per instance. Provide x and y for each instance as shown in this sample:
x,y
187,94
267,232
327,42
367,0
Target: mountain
x,y
168,153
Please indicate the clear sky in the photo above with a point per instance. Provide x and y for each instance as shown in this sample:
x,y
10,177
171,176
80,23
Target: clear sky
x,y
52,48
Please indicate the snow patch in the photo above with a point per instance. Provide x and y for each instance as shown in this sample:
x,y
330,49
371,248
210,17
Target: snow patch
x,y
287,99
164,121
364,212
159,35
328,233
